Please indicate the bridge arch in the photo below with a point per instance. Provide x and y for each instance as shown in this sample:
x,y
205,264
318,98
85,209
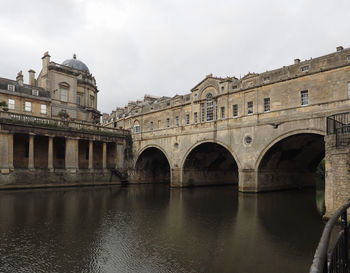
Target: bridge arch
x,y
152,165
290,160
209,163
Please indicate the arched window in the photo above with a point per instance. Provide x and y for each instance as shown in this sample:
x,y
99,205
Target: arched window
x,y
136,127
209,102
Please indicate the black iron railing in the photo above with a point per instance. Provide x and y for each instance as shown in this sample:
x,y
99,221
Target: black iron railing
x,y
339,125
333,256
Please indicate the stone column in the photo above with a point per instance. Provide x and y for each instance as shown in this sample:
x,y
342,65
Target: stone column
x,y
91,155
72,154
104,155
31,152
50,154
10,151
4,153
120,156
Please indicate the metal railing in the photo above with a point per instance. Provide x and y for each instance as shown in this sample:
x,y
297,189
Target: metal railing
x,y
339,125
61,123
332,257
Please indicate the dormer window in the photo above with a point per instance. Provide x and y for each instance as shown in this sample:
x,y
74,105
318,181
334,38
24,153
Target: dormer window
x,y
11,87
35,92
305,68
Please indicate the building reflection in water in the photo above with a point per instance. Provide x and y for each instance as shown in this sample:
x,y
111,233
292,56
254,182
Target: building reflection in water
x,y
152,228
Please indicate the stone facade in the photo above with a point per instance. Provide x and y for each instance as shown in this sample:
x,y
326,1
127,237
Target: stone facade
x,y
49,134
271,126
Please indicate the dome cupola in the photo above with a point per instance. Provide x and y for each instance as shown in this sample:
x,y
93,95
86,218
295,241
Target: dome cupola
x,y
76,64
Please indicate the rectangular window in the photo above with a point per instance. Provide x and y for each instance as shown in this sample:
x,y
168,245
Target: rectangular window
x,y
43,109
348,57
348,90
27,106
305,68
167,123
202,112
266,79
64,93
35,92
195,117
187,119
222,112
11,104
136,128
11,87
235,110
151,126
304,97
78,99
234,87
250,107
266,104
92,101
177,120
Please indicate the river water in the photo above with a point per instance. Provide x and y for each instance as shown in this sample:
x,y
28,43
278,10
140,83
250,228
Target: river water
x,y
151,228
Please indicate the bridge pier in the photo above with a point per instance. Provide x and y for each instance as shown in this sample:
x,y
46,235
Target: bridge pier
x,y
337,177
247,181
176,177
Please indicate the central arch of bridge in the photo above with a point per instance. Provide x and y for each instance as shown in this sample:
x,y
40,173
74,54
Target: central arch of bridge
x,y
291,162
209,164
152,166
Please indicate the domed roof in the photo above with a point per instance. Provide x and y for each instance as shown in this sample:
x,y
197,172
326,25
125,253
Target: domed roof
x,y
76,64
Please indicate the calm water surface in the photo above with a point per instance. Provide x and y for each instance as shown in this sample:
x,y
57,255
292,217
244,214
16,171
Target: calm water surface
x,y
157,229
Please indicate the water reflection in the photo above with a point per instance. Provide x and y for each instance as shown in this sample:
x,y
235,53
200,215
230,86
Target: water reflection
x,y
154,229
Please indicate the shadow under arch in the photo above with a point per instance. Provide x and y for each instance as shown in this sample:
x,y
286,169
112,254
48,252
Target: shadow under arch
x,y
290,161
209,163
152,166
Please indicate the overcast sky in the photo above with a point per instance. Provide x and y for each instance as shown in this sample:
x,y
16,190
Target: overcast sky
x,y
165,47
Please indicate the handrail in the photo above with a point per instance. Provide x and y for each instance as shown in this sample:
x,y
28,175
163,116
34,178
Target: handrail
x,y
324,256
58,122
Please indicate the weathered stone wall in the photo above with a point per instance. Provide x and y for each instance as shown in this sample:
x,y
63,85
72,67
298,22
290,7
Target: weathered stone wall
x,y
337,188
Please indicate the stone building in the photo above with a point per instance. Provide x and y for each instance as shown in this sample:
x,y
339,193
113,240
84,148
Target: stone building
x,y
50,133
262,131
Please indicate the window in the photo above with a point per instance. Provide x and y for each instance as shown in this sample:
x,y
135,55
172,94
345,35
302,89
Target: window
x,y
222,88
348,57
267,105
151,126
177,120
167,123
304,97
136,127
209,107
43,109
64,94
305,68
266,79
348,91
159,124
222,112
78,99
216,111
35,92
235,110
234,87
202,112
10,87
92,101
250,107
11,104
187,119
28,106
195,117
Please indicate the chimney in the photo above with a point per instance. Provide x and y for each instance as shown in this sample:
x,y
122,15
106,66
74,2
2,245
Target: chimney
x,y
296,61
19,78
32,77
46,61
339,48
